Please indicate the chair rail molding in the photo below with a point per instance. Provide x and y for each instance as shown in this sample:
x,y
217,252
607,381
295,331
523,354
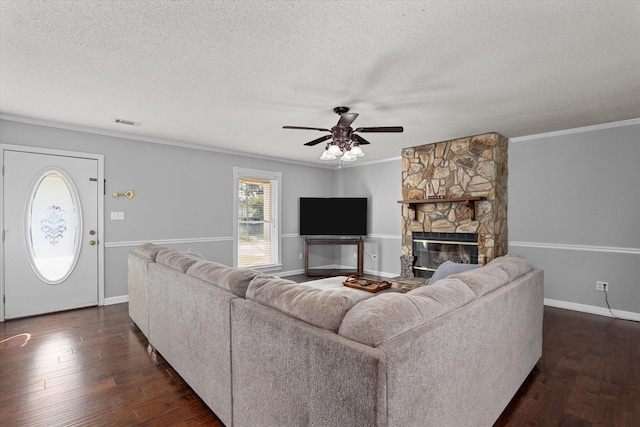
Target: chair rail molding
x,y
588,248
168,241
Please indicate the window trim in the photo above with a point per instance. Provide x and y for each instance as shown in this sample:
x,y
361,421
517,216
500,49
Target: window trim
x,y
276,204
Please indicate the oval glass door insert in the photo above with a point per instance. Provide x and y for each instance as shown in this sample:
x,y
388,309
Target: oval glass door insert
x,y
54,226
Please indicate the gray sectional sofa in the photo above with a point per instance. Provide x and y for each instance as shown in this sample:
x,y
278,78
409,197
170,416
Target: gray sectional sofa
x,y
265,351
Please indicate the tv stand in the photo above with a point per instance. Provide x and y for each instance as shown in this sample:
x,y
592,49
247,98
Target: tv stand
x,y
333,272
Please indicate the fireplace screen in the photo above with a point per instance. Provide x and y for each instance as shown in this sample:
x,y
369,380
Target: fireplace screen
x,y
432,249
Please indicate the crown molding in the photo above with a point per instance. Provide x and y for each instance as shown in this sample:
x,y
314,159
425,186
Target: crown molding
x,y
125,135
592,128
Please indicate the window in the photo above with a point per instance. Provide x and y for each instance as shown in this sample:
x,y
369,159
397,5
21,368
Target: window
x,y
257,228
54,226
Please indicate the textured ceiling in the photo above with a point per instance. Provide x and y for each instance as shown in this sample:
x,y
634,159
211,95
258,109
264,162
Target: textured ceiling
x,y
230,74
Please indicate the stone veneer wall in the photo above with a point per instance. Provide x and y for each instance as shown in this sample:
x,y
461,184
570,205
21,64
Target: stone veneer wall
x,y
471,166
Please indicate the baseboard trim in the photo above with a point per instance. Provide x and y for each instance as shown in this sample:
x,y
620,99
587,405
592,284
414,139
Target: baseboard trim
x,y
591,309
116,300
289,273
384,274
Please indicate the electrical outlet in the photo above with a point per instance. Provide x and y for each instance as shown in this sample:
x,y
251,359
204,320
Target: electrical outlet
x,y
602,286
374,257
299,256
355,255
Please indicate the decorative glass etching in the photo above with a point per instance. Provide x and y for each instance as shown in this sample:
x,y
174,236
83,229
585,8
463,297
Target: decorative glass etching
x,y
54,226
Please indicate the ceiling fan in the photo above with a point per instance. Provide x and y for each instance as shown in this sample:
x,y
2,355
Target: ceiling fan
x,y
346,141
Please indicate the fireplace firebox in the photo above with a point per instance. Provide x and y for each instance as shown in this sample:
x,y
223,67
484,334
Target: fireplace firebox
x,y
431,249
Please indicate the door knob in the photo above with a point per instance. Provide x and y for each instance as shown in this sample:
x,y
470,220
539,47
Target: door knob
x,y
92,242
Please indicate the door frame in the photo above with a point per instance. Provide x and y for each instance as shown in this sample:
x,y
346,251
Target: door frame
x,y
101,191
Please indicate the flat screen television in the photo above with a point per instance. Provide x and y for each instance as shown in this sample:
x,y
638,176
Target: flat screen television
x,y
333,216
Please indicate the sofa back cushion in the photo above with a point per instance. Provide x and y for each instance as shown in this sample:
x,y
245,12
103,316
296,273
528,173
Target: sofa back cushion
x,y
514,266
176,259
379,319
148,250
234,280
483,280
324,308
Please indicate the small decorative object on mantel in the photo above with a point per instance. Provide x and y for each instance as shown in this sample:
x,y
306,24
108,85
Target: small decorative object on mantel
x,y
128,194
370,285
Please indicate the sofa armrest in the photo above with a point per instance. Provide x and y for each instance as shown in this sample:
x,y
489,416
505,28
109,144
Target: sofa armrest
x,y
137,282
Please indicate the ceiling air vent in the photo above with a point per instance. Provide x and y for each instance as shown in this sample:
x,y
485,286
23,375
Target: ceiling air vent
x,y
127,122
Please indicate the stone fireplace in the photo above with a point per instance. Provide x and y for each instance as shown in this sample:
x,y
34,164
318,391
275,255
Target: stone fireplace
x,y
454,189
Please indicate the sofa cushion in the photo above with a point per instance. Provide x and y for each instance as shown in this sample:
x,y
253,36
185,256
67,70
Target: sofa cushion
x,y
324,308
448,268
483,280
234,280
379,319
148,250
175,259
514,266
449,293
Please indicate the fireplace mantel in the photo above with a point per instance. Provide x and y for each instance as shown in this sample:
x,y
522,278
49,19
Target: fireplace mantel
x,y
467,201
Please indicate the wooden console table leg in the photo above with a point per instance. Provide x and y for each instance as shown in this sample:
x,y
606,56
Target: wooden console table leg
x,y
361,257
306,257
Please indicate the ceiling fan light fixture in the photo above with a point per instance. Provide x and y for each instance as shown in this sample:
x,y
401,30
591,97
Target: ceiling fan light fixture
x,y
345,141
348,156
326,155
335,150
357,151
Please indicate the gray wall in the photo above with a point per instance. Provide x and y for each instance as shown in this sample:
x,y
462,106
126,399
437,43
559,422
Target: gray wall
x,y
574,211
183,196
381,183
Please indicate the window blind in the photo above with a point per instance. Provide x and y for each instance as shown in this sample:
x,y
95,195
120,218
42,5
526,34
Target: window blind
x,y
254,222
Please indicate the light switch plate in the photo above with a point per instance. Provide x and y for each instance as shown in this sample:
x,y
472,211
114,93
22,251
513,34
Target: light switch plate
x,y
117,216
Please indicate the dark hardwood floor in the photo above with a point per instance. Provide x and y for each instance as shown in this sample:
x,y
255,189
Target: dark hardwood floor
x,y
90,367
589,374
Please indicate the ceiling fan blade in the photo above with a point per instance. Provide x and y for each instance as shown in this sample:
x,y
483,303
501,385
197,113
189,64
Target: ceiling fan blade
x,y
381,129
306,128
346,119
318,141
360,140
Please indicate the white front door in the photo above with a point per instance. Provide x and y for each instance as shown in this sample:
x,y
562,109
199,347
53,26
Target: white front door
x,y
50,233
